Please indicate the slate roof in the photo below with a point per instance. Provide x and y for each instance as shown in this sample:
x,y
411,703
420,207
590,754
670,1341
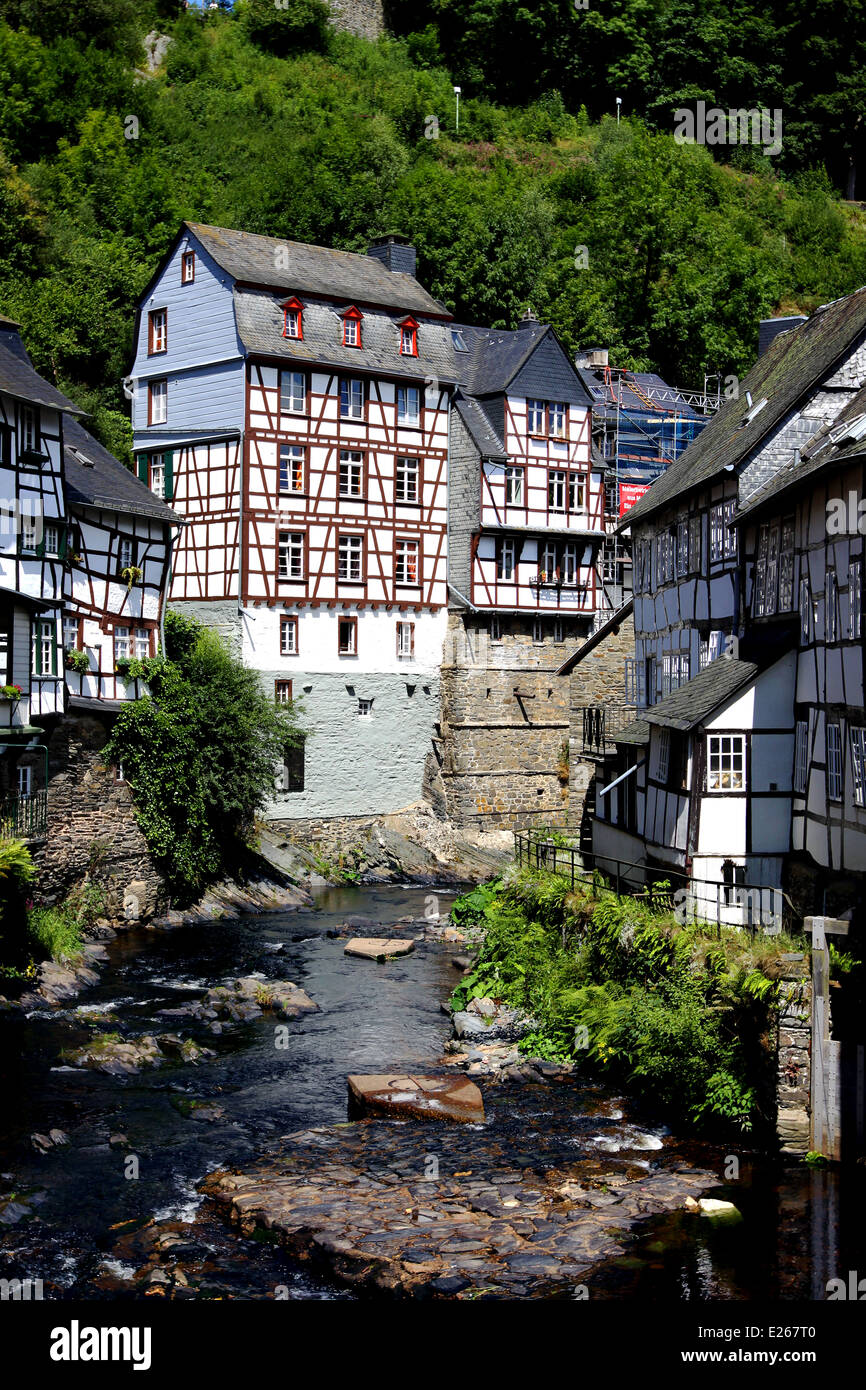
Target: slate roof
x,y
260,325
822,454
793,365
481,431
106,483
20,378
637,732
344,275
693,702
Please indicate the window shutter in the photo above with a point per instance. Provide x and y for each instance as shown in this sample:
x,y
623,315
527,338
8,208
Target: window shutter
x,y
168,460
40,548
64,541
143,469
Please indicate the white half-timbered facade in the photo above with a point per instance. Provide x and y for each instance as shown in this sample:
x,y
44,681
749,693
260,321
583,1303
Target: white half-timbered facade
x,y
739,573
118,557
33,542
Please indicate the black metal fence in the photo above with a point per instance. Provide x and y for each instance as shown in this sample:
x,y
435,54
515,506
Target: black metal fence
x,y
24,817
546,849
601,724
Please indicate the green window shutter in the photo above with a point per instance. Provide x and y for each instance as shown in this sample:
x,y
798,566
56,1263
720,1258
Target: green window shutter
x,y
53,628
143,469
40,548
64,541
169,476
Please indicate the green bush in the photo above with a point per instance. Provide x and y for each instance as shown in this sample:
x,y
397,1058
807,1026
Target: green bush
x,y
616,984
200,752
55,932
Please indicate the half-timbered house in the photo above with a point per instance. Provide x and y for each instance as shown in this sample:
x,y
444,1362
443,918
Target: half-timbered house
x,y
526,521
728,573
291,402
32,552
118,556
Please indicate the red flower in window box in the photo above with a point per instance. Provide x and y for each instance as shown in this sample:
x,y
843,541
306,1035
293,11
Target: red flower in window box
x,y
10,692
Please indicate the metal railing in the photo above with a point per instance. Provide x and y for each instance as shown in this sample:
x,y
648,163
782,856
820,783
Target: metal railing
x,y
24,817
601,723
752,906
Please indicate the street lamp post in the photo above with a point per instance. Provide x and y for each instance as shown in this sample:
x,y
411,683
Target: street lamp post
x,y
457,91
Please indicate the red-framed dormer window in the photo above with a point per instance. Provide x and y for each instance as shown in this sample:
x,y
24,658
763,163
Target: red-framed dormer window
x,y
293,319
409,337
352,327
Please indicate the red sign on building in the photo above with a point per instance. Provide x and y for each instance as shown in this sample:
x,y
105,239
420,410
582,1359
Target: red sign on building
x,y
629,493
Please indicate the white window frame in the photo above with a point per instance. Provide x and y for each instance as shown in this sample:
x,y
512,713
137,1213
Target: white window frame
x,y
855,599
557,420
577,494
293,393
409,406
365,709
536,415
351,473
24,781
831,607
805,606
407,471
663,755
352,398
538,632
290,555
158,402
507,560
405,640
858,763
121,644
514,479
288,630
292,467
801,756
350,559
405,552
723,541
834,761
157,475
141,643
495,629
786,566
725,750
557,483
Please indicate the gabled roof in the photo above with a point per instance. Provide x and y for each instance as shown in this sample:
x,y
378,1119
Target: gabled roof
x,y
828,449
20,378
792,367
693,702
304,269
495,355
481,431
95,478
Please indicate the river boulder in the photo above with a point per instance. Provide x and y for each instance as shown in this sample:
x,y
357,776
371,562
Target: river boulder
x,y
416,1097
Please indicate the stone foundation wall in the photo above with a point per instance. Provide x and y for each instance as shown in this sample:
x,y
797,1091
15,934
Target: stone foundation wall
x,y
597,680
504,725
92,829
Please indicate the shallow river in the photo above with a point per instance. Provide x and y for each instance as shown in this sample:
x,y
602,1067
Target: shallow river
x,y
373,1018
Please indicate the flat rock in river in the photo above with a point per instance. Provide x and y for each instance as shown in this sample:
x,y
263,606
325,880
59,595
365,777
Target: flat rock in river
x,y
379,947
418,1097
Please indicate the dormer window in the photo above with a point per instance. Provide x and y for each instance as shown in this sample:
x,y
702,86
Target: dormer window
x,y
409,338
187,268
352,328
293,323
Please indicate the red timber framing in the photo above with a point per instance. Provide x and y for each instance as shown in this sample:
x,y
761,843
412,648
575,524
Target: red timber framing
x,y
322,514
542,520
206,492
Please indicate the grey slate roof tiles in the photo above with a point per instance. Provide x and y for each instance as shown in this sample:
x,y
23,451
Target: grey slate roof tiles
x,y
693,702
20,378
95,478
304,269
794,363
825,451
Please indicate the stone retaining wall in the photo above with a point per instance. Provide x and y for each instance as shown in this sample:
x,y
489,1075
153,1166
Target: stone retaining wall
x,y
92,828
